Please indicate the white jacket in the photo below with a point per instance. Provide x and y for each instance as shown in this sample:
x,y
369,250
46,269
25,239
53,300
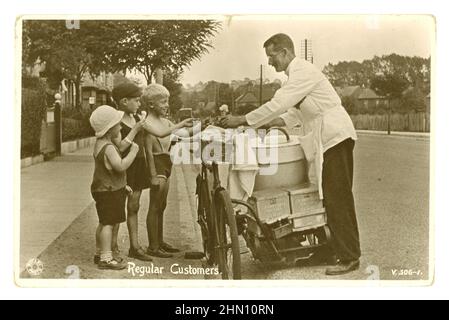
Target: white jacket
x,y
323,120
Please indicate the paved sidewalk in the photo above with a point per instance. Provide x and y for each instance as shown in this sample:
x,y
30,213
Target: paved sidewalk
x,y
71,253
52,196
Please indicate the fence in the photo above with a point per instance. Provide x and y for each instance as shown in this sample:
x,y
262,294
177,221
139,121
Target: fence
x,y
412,122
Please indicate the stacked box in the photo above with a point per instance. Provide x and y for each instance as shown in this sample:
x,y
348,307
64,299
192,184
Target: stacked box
x,y
306,207
271,205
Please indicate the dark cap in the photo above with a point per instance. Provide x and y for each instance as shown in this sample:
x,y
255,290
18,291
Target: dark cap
x,y
126,90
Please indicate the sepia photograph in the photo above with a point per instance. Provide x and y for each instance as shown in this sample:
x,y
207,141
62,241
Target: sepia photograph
x,y
276,148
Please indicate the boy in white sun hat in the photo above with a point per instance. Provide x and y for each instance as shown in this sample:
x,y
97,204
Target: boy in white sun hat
x,y
109,181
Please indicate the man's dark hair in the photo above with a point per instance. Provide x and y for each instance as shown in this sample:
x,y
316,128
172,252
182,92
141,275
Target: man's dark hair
x,y
280,41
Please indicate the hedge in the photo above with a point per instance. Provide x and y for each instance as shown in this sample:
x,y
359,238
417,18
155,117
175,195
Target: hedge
x,y
73,129
33,112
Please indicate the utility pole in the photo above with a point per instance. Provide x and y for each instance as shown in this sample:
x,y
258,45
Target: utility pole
x,y
232,101
305,49
306,52
260,87
389,117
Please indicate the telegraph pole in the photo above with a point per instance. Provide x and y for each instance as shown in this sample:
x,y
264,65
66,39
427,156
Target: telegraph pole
x,y
305,49
306,52
260,87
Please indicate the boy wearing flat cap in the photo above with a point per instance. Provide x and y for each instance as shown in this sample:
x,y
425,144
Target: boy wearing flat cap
x,y
127,97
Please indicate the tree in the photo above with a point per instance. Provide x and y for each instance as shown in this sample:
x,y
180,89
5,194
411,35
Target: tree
x,y
171,82
415,70
105,45
162,44
348,104
390,86
69,53
413,99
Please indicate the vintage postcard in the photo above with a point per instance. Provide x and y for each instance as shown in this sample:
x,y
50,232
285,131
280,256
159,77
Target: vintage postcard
x,y
173,151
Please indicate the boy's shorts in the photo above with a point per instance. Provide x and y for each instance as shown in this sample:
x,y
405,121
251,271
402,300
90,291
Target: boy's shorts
x,y
163,165
110,206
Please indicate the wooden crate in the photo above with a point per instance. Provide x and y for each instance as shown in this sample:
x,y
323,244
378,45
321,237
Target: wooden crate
x,y
303,199
314,219
271,204
277,229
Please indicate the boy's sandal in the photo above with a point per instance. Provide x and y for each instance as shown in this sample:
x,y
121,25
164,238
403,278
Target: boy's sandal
x,y
111,265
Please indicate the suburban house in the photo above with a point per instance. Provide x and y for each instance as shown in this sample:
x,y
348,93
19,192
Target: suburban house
x,y
250,99
95,90
363,99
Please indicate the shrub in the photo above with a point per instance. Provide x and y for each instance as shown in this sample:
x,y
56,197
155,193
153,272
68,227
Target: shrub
x,y
33,112
75,129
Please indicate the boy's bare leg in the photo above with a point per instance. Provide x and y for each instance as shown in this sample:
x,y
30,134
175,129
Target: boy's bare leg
x,y
114,238
132,221
165,246
97,239
135,251
105,239
107,260
163,194
153,221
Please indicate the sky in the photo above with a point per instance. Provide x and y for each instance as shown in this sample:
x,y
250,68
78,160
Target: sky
x,y
238,47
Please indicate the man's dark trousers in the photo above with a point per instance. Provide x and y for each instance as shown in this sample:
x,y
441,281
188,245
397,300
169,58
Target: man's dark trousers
x,y
338,172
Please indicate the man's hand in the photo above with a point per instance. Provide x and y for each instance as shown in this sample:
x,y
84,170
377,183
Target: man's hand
x,y
232,121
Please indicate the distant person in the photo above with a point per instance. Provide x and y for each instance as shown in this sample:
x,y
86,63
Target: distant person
x,y
224,110
327,139
108,187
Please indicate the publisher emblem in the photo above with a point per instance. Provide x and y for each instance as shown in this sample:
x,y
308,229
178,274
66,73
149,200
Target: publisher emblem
x,y
34,267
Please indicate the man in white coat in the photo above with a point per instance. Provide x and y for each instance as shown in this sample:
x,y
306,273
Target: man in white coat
x,y
328,138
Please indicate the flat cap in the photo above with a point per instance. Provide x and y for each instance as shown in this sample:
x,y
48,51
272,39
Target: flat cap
x,y
126,90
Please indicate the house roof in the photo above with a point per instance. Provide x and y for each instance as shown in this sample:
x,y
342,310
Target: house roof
x,y
210,105
367,93
348,91
338,90
247,97
252,94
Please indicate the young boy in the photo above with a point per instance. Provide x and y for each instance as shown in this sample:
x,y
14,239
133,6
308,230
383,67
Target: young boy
x,y
127,98
155,100
109,181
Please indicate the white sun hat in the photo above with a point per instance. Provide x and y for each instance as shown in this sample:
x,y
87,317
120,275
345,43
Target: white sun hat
x,y
104,118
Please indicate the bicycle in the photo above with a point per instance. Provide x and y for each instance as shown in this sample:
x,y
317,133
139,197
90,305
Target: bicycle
x,y
218,223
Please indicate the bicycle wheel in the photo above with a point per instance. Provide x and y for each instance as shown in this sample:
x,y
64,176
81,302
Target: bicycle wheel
x,y
228,249
205,219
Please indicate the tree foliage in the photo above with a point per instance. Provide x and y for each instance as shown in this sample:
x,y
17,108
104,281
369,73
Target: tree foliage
x,y
69,53
165,44
171,82
389,85
414,70
114,45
